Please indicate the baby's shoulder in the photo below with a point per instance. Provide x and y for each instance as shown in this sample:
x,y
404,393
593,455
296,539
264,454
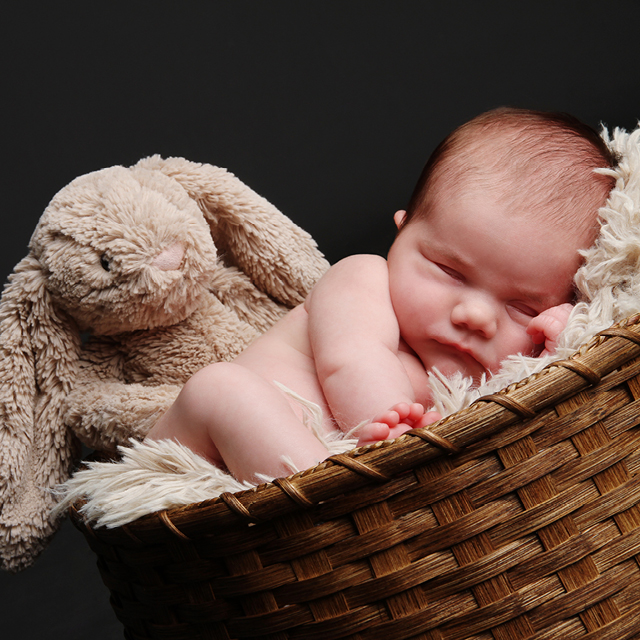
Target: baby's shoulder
x,y
353,285
362,262
358,270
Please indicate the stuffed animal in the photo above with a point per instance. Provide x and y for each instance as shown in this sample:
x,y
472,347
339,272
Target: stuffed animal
x,y
135,278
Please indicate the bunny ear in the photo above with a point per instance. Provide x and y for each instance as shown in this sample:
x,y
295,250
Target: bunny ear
x,y
39,352
280,258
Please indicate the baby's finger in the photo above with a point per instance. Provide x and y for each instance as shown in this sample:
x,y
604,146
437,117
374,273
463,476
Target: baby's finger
x,y
544,326
537,335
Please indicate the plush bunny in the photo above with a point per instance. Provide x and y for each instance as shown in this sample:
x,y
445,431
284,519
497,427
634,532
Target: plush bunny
x,y
136,278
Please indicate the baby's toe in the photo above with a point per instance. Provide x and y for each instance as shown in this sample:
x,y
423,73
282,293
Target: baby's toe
x,y
373,432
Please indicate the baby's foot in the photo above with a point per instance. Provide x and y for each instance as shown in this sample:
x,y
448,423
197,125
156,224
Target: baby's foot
x,y
401,418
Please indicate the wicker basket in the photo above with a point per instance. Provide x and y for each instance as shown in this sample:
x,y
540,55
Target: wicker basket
x,y
518,517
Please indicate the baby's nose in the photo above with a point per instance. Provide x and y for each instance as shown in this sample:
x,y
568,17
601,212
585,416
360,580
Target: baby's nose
x,y
170,258
475,314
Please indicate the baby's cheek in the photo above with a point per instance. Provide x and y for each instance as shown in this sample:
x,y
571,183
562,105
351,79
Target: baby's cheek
x,y
527,346
519,341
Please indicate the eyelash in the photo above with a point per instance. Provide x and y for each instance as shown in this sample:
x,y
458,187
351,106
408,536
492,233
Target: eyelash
x,y
450,272
526,311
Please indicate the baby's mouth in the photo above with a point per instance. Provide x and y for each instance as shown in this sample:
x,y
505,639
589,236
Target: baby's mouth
x,y
465,353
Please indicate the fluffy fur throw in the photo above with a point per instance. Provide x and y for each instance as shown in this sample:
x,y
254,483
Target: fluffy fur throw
x,y
135,278
154,476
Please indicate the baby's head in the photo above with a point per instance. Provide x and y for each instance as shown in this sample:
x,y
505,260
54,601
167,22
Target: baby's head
x,y
492,234
536,163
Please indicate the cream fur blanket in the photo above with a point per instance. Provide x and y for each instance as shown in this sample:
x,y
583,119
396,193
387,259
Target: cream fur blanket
x,y
158,475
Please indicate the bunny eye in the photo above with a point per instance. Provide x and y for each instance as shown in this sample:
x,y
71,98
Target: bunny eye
x,y
104,263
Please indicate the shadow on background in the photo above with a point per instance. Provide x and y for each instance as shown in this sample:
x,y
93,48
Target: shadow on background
x,y
328,109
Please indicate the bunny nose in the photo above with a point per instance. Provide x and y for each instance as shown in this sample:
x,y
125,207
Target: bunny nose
x,y
170,258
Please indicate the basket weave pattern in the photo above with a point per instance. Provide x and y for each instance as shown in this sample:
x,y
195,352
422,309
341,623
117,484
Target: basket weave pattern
x,y
518,517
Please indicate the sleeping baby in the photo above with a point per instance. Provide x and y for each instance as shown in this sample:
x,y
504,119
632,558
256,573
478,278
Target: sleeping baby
x,y
481,268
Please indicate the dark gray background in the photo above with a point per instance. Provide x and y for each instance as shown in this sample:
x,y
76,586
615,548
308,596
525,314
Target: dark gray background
x,y
328,109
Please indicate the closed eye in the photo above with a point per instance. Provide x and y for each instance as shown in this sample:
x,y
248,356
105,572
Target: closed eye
x,y
519,309
452,273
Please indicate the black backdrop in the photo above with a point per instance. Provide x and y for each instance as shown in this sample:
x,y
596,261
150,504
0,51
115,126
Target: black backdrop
x,y
328,109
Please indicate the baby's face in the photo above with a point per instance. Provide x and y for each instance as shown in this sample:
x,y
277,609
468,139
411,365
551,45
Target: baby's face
x,y
466,280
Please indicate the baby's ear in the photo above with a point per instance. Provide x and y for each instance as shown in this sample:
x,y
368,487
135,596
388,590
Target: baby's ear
x,y
399,217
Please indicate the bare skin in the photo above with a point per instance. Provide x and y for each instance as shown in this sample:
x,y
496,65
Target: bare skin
x,y
451,295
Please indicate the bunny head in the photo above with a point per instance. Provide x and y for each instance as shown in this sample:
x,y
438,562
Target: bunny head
x,y
123,250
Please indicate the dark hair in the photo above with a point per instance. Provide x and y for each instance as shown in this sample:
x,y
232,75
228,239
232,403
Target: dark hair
x,y
555,155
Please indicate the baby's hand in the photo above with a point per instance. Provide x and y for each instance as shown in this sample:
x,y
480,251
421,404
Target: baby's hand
x,y
545,328
400,418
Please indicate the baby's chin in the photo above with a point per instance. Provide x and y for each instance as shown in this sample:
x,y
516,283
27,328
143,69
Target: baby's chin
x,y
534,351
462,364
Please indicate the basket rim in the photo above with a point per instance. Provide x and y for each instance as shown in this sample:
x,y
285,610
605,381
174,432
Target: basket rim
x,y
521,401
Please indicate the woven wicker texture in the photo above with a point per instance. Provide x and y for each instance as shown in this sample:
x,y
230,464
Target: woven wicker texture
x,y
518,517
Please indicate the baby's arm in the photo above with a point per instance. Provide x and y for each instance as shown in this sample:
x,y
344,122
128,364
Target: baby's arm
x,y
354,335
545,328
